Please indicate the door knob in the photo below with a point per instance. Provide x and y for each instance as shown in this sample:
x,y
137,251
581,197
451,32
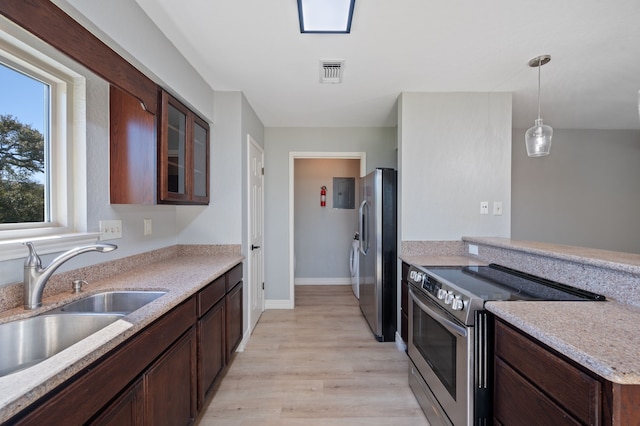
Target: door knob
x,y
254,247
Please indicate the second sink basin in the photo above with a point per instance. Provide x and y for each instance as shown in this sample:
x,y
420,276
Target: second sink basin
x,y
120,302
27,342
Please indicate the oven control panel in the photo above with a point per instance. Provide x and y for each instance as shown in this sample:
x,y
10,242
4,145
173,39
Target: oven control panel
x,y
442,293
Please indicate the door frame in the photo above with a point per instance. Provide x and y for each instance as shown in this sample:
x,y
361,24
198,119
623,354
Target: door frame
x,y
362,156
249,292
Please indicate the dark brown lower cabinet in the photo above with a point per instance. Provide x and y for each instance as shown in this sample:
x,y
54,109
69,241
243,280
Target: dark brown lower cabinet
x,y
233,307
163,395
161,375
533,383
170,385
211,352
127,410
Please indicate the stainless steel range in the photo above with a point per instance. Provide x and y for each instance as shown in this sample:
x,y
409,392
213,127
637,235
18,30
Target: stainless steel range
x,y
450,334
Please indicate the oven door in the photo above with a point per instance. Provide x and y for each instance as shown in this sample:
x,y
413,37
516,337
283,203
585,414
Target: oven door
x,y
442,350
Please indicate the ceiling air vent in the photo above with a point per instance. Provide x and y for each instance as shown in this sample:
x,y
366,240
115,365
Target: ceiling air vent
x,y
331,71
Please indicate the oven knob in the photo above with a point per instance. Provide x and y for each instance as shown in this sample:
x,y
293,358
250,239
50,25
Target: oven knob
x,y
448,298
419,277
457,303
441,294
412,275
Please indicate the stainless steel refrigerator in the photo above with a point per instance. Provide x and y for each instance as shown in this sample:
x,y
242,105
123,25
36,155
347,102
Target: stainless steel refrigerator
x,y
378,254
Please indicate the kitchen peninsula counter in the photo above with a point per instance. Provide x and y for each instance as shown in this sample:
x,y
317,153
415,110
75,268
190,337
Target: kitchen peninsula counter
x,y
181,276
601,336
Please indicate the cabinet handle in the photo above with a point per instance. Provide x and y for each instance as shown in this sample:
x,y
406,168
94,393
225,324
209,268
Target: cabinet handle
x,y
254,247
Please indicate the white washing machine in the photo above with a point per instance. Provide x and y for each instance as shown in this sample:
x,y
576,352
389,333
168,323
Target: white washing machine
x,y
354,265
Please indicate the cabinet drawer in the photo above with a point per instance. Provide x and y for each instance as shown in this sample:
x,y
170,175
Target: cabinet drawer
x,y
573,389
234,276
516,401
210,295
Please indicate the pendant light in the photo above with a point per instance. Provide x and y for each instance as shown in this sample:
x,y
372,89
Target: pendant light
x,y
538,137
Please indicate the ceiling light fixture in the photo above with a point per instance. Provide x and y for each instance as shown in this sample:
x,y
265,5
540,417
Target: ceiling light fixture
x,y
538,137
325,16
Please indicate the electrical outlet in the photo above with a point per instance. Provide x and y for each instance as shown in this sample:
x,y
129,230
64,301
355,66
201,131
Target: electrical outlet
x,y
484,207
110,229
148,228
497,208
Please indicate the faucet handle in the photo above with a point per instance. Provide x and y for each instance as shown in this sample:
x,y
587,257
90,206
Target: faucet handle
x,y
33,260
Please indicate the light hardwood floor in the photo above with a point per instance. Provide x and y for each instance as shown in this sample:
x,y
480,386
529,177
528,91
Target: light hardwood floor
x,y
317,364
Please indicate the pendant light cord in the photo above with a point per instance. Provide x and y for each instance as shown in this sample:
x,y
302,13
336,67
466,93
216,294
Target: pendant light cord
x,y
539,65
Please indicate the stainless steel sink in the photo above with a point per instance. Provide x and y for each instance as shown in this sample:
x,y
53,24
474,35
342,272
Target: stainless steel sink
x,y
27,342
121,302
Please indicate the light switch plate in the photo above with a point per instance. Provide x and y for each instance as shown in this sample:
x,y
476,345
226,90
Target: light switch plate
x,y
148,227
497,208
110,229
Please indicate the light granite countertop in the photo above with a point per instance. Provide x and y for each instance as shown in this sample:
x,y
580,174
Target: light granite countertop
x,y
181,277
601,336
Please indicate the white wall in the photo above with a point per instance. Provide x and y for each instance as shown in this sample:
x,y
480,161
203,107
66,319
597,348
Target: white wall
x,y
585,193
221,221
323,235
380,147
455,151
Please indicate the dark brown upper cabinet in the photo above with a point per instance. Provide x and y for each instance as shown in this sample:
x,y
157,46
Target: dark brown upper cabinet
x,y
183,154
132,163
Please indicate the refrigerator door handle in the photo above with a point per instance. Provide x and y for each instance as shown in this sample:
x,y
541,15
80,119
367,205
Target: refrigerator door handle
x,y
364,218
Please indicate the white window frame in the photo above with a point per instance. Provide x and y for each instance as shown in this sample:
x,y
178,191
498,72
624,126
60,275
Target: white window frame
x,y
67,155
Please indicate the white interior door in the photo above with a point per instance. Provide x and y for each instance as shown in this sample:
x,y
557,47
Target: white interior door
x,y
256,230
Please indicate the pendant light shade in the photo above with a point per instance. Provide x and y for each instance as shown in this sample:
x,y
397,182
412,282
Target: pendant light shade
x,y
538,137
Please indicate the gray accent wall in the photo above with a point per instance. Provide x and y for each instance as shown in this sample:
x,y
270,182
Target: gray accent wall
x,y
379,143
585,193
323,235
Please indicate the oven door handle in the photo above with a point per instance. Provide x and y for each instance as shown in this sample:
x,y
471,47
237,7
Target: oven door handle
x,y
444,321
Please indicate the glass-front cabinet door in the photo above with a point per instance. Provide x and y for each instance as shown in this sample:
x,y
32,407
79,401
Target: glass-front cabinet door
x,y
200,160
176,151
183,154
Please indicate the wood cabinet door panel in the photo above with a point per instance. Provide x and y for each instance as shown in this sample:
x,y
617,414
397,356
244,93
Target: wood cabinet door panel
x,y
127,410
211,349
170,385
132,145
233,314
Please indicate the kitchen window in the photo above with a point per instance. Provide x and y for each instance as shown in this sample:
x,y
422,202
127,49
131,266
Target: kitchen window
x,y
42,149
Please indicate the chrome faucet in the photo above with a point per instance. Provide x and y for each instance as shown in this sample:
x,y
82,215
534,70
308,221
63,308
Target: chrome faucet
x,y
36,277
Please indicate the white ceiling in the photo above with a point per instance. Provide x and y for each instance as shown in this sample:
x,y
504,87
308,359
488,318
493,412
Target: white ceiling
x,y
255,46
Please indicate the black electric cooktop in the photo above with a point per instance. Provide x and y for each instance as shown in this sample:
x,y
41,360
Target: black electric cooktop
x,y
496,282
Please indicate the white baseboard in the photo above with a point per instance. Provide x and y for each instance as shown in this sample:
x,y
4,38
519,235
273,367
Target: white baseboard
x,y
322,281
245,340
278,304
400,344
